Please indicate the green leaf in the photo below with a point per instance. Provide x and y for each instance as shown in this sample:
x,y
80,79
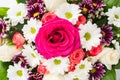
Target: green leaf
x,y
111,3
3,11
3,70
21,1
110,75
117,66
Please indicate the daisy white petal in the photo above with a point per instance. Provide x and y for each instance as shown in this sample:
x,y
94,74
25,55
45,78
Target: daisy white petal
x,y
31,55
17,72
114,16
69,12
57,65
17,14
30,29
90,35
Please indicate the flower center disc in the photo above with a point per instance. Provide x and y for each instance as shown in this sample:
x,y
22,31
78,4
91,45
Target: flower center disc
x,y
19,73
68,15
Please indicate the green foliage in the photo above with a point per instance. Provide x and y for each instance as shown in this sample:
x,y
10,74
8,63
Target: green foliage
x,y
111,3
117,66
3,11
110,75
21,1
74,1
3,70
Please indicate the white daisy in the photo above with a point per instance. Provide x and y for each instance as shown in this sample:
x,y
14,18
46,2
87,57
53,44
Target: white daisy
x,y
57,65
30,29
17,72
84,66
53,77
69,12
31,55
17,14
114,16
90,35
77,75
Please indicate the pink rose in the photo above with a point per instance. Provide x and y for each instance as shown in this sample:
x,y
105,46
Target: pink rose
x,y
18,39
47,17
95,50
58,37
77,56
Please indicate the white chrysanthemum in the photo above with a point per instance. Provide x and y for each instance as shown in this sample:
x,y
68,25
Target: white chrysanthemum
x,y
90,35
57,65
53,77
77,75
30,29
109,57
114,16
69,12
17,72
84,66
31,55
17,14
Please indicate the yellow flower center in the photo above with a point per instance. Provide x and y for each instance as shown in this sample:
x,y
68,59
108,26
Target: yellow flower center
x,y
19,13
36,14
87,36
85,9
57,61
33,30
68,15
93,70
33,55
116,16
94,4
19,73
76,79
82,66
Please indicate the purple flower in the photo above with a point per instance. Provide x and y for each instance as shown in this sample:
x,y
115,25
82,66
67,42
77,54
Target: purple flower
x,y
2,28
97,72
91,6
35,11
20,58
35,76
107,34
32,3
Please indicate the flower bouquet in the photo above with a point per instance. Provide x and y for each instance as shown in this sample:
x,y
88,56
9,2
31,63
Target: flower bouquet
x,y
60,40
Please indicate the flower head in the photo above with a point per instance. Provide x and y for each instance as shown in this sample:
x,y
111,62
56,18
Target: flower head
x,y
35,11
17,72
114,16
69,12
20,58
58,37
35,76
97,71
91,6
107,34
90,35
18,39
17,14
2,28
32,3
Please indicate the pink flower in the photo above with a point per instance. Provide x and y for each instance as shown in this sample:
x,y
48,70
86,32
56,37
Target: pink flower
x,y
18,39
81,20
95,50
47,17
77,56
42,69
58,37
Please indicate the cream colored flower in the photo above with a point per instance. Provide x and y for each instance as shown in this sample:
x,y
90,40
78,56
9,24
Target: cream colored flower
x,y
109,57
8,52
53,5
